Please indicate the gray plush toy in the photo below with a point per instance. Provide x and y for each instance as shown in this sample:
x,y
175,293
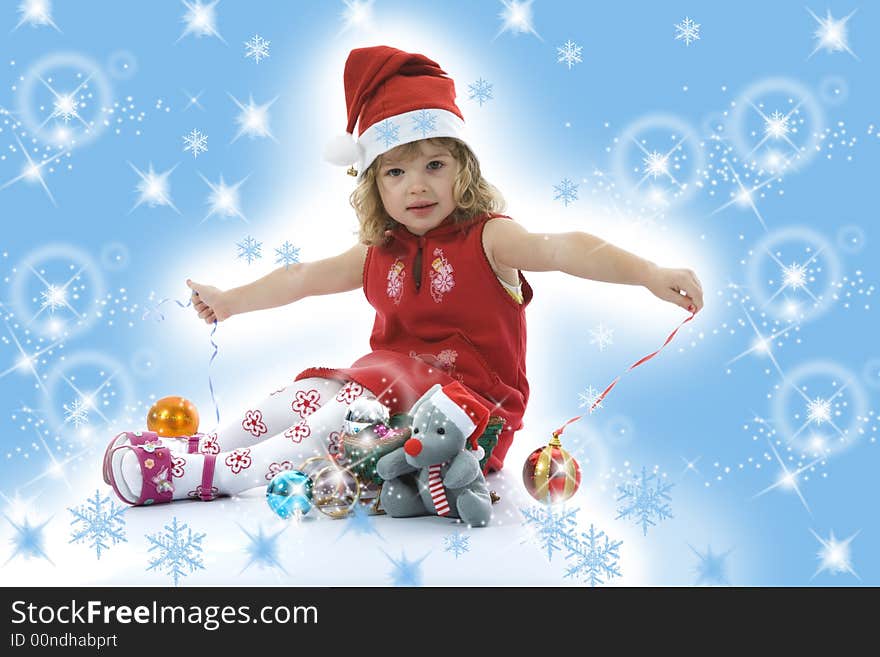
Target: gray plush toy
x,y
437,471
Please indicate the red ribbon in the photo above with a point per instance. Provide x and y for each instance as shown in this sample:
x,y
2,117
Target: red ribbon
x,y
641,361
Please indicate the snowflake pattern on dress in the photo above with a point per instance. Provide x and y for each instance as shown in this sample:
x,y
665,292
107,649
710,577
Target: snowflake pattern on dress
x,y
209,444
253,423
349,392
275,468
396,276
239,460
177,463
442,280
298,432
306,402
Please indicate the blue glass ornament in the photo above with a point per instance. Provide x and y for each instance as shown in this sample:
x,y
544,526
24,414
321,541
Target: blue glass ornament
x,y
290,493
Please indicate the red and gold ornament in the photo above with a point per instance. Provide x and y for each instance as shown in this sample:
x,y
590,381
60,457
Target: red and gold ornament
x,y
550,473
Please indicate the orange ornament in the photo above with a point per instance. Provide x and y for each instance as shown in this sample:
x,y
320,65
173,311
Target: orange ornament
x,y
173,416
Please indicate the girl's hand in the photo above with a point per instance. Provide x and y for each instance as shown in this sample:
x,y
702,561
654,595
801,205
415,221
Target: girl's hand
x,y
678,286
211,304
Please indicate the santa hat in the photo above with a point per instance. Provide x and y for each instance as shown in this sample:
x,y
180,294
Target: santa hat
x,y
463,410
394,98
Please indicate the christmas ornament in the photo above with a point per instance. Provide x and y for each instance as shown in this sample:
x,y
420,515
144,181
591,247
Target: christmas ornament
x,y
363,413
173,416
361,451
550,473
336,490
290,493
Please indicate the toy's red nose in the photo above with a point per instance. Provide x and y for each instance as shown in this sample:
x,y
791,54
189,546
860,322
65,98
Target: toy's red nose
x,y
412,446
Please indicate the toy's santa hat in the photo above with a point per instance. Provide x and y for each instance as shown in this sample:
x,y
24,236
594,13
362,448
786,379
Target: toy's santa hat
x,y
393,97
464,411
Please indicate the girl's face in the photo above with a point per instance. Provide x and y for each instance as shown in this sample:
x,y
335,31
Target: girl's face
x,y
418,192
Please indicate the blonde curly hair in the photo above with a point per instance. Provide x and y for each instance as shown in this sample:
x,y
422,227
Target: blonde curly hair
x,y
473,195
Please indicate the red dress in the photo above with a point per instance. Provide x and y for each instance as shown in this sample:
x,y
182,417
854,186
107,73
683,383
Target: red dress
x,y
442,315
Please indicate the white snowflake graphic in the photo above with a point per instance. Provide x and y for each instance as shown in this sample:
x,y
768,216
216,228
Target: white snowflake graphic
x,y
554,530
776,125
179,550
643,501
53,297
570,54
425,122
257,48
656,164
99,521
387,132
64,107
481,91
687,31
457,544
589,398
250,249
287,254
76,413
593,560
196,142
601,336
819,410
566,191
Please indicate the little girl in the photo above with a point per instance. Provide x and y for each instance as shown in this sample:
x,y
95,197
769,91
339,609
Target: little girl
x,y
438,263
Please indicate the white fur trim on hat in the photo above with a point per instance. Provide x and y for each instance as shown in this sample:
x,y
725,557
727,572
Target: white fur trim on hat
x,y
404,128
454,412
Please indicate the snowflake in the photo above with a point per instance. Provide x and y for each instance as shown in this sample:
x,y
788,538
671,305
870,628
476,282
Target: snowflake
x,y
687,30
590,398
601,336
425,122
65,107
457,544
196,142
795,276
481,91
776,125
257,47
656,164
569,54
77,413
566,190
53,297
176,552
551,528
287,254
98,523
387,132
819,410
250,249
593,560
643,502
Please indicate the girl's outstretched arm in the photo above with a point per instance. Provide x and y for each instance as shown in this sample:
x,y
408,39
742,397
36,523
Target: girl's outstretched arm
x,y
580,254
282,286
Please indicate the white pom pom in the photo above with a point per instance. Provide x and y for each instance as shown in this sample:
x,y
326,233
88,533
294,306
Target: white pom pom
x,y
479,452
342,150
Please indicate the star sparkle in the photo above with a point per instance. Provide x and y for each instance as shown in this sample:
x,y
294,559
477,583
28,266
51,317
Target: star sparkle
x,y
405,572
36,13
831,33
153,188
253,120
517,17
711,568
263,550
28,540
835,555
224,199
200,19
358,13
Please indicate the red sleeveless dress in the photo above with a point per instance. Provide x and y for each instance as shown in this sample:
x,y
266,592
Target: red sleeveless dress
x,y
442,315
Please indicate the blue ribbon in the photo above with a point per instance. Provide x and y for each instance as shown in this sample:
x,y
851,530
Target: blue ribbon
x,y
161,318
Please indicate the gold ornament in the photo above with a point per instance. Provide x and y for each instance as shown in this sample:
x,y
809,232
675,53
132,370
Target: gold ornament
x,y
173,416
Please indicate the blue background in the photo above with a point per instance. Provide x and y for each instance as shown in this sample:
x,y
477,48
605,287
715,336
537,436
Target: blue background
x,y
545,122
